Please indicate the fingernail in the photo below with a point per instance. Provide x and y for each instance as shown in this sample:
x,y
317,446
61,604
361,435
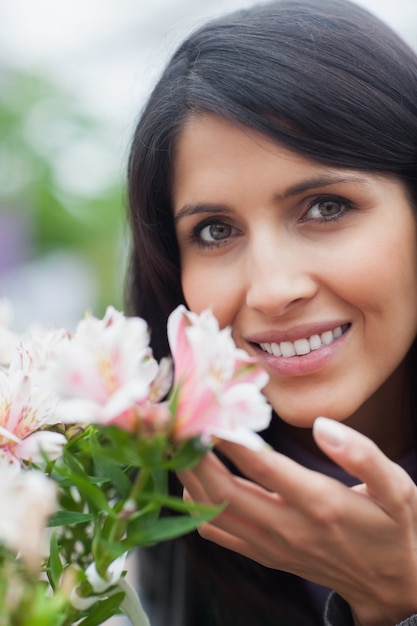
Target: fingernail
x,y
330,431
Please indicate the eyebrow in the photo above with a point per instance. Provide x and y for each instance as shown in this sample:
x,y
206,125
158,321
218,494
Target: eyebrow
x,y
306,185
323,181
195,209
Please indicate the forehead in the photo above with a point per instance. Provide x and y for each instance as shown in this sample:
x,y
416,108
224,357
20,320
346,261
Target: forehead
x,y
213,155
209,145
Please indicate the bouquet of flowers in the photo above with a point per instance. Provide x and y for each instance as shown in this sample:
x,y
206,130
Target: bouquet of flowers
x,y
90,426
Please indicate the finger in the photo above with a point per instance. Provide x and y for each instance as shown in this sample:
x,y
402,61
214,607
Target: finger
x,y
229,520
245,527
277,473
193,487
212,483
302,492
231,542
217,481
209,471
386,482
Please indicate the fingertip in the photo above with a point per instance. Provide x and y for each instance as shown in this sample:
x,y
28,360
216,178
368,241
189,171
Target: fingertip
x,y
330,433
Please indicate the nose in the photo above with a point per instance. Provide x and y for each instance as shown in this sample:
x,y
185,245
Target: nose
x,y
280,276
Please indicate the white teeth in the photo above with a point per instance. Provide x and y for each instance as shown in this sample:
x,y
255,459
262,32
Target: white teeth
x,y
276,350
315,342
338,332
327,337
287,348
304,345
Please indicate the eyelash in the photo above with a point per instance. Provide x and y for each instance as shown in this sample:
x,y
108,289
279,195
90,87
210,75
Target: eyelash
x,y
210,221
346,207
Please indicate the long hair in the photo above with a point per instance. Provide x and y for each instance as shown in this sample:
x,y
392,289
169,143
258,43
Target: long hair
x,y
323,78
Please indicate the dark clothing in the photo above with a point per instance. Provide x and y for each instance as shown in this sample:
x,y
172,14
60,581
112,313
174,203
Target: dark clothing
x,y
196,587
174,592
337,613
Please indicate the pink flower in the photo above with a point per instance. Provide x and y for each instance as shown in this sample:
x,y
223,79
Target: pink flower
x,y
24,410
217,386
106,373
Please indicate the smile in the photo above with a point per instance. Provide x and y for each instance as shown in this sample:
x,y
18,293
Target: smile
x,y
304,345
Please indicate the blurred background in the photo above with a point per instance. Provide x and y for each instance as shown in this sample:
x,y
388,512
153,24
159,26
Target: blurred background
x,y
73,78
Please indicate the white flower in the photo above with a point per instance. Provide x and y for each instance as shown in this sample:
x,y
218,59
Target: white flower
x,y
98,584
104,370
28,500
24,410
38,347
113,575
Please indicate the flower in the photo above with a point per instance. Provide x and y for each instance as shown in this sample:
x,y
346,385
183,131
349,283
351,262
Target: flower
x,y
99,584
104,371
28,498
24,410
128,420
217,386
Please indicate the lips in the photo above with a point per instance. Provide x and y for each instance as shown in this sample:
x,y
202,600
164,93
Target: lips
x,y
304,345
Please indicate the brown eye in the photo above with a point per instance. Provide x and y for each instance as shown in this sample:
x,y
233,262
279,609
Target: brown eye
x,y
327,209
216,232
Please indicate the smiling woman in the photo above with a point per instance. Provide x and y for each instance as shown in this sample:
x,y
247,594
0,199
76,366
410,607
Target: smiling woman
x,y
287,239
286,205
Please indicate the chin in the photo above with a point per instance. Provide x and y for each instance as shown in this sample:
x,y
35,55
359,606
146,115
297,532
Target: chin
x,y
299,417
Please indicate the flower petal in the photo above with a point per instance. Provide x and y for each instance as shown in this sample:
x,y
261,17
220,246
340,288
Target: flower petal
x,y
40,444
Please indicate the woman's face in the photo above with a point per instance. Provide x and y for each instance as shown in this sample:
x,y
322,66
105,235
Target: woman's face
x,y
314,267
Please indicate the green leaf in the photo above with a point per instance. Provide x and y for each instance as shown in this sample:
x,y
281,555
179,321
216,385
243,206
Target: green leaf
x,y
150,532
100,612
176,503
173,401
188,455
116,475
92,493
55,567
160,481
67,518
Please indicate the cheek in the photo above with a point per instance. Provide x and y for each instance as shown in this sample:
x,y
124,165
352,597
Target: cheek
x,y
386,292
381,272
206,286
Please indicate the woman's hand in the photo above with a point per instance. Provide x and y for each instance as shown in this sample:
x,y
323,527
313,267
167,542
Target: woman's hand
x,y
360,541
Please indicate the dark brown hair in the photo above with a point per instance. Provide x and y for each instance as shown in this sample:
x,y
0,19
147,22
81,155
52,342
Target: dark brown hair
x,y
324,78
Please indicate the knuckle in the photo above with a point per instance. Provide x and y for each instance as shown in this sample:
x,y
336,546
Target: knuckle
x,y
328,513
405,493
328,507
300,541
220,491
204,531
260,471
222,494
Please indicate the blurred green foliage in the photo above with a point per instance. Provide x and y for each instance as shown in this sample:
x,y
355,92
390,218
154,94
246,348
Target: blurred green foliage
x,y
43,132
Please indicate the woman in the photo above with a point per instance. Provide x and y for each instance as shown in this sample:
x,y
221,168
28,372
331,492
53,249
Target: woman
x,y
273,179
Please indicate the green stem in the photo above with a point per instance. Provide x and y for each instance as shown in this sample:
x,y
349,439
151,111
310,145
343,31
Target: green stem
x,y
140,482
119,526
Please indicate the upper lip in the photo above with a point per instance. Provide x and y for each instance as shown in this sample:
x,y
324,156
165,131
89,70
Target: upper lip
x,y
302,331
